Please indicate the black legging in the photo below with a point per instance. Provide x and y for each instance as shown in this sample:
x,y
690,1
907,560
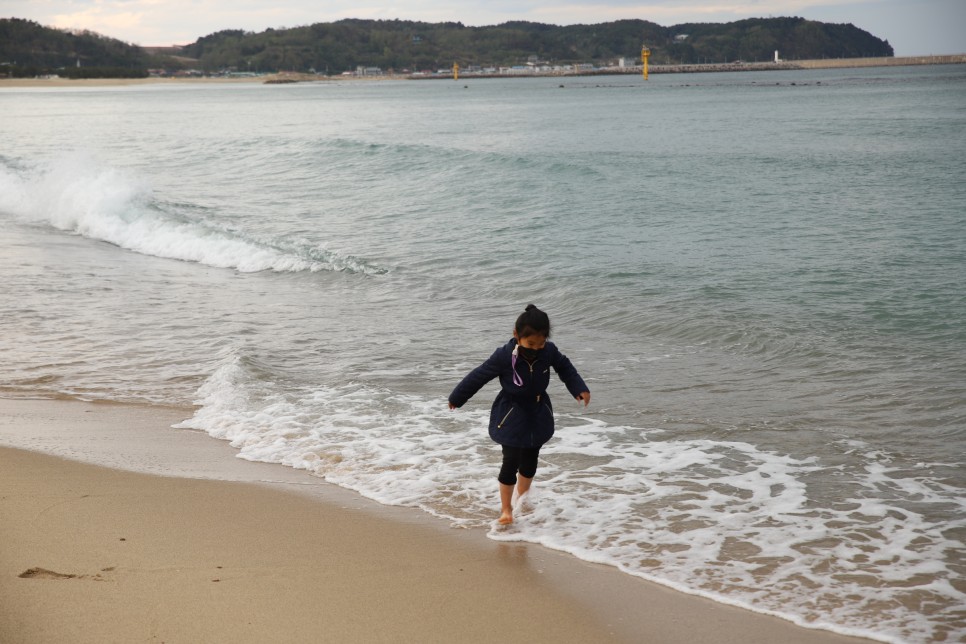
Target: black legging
x,y
518,459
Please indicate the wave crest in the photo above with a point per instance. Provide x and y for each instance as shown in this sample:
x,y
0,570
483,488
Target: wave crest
x,y
76,195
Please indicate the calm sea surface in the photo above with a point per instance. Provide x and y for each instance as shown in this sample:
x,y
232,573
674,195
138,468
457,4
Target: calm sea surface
x,y
760,275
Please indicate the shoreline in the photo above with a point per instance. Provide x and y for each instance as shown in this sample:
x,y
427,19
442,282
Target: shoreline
x,y
284,78
207,547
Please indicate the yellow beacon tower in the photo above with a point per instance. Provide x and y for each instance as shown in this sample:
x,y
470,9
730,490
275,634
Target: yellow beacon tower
x,y
456,71
645,53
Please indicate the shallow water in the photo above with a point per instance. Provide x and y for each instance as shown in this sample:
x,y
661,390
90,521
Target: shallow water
x,y
761,283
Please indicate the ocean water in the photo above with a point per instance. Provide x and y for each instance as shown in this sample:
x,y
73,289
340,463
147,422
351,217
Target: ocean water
x,y
760,276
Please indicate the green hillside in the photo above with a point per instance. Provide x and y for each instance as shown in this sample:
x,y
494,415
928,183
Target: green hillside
x,y
28,49
401,45
398,44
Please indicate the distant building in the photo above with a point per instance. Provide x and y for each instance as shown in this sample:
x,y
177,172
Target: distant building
x,y
681,37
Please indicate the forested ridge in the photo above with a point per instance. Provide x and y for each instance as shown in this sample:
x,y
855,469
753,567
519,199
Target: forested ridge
x,y
29,49
400,45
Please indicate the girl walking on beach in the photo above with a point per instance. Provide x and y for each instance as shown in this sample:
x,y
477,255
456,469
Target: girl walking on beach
x,y
521,419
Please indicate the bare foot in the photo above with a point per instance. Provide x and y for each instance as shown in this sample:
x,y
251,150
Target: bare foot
x,y
506,518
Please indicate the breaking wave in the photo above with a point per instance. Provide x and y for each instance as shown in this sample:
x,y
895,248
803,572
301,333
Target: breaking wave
x,y
76,195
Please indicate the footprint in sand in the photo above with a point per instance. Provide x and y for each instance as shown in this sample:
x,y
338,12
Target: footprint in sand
x,y
43,573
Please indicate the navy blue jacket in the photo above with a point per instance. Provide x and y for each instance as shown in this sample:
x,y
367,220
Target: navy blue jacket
x,y
521,416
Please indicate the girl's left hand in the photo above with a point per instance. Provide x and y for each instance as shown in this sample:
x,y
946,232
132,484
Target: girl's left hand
x,y
584,397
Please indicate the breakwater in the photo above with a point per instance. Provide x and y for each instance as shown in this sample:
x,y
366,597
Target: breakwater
x,y
825,63
892,61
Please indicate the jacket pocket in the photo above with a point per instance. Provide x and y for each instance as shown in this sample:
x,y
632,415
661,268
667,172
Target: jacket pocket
x,y
500,424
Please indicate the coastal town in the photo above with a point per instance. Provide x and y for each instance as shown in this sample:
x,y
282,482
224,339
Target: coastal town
x,y
534,68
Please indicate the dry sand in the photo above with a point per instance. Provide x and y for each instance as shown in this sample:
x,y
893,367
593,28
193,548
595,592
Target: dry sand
x,y
94,554
116,82
205,80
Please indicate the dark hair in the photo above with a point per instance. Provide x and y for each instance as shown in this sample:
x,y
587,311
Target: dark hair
x,y
533,321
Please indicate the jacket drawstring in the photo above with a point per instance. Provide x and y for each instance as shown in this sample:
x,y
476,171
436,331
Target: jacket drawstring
x,y
517,380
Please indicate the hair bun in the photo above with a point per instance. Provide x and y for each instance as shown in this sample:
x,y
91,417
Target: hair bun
x,y
531,321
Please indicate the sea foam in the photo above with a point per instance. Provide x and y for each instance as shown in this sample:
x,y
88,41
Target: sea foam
x,y
721,519
76,194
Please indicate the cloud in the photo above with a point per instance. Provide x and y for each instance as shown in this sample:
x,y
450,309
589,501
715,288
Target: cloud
x,y
96,19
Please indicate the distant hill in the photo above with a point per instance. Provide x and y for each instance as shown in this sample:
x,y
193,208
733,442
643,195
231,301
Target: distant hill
x,y
29,49
400,44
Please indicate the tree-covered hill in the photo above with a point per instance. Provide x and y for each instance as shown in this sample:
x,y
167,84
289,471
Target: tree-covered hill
x,y
406,45
29,49
399,44
757,39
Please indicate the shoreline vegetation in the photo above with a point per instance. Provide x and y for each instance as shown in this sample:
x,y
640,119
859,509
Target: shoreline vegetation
x,y
297,77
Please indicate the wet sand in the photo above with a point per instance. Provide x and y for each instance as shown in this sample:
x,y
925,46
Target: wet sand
x,y
95,554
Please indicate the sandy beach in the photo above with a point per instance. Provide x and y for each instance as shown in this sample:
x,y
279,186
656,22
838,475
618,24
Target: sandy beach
x,y
118,82
97,554
13,83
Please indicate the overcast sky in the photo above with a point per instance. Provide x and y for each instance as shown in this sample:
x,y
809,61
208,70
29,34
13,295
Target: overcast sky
x,y
912,27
